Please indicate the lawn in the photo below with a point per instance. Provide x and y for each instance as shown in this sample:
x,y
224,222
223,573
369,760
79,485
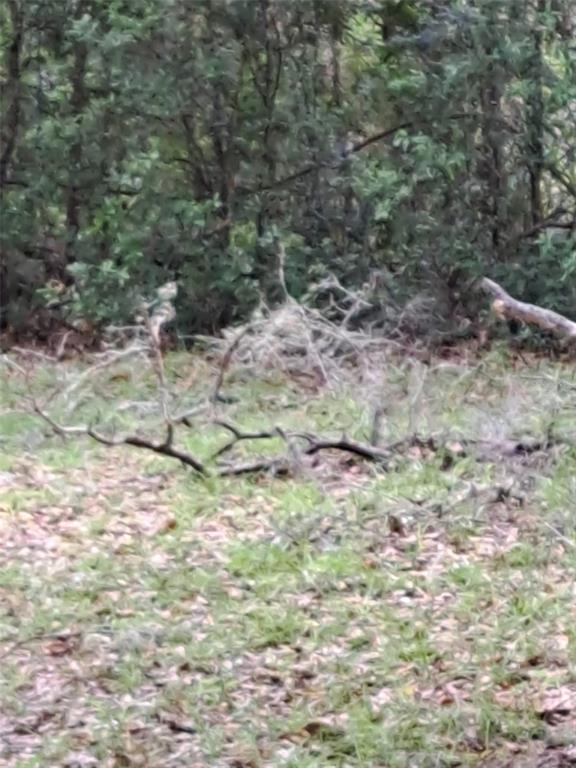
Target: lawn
x,y
420,614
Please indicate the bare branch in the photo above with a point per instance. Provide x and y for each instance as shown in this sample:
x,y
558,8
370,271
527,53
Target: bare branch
x,y
357,147
370,452
276,466
314,445
165,448
505,306
227,359
110,359
377,419
239,436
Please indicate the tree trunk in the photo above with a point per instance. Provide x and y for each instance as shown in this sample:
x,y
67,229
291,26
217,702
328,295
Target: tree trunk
x,y
492,130
267,82
535,118
495,176
11,121
78,102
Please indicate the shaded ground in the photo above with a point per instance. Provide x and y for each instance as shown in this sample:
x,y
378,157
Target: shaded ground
x,y
415,618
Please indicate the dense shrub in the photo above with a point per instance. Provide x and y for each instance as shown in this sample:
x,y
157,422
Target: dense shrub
x,y
142,142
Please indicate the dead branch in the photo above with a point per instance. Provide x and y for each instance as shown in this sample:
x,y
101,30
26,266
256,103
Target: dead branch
x,y
226,360
365,451
300,341
109,360
560,535
239,436
348,304
278,465
377,419
506,307
164,448
162,314
285,463
281,464
292,331
184,416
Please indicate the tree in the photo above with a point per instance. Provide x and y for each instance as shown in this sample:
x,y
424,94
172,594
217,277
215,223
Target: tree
x,y
430,142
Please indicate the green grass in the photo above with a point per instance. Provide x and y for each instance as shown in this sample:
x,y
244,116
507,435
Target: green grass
x,y
149,618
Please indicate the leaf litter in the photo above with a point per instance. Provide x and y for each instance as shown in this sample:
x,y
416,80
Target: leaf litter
x,y
338,619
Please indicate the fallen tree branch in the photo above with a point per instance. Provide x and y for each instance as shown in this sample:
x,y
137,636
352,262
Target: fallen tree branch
x,y
165,448
277,465
239,436
506,307
365,451
302,332
283,464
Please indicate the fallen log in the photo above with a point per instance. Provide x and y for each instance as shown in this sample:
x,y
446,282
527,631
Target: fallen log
x,y
508,308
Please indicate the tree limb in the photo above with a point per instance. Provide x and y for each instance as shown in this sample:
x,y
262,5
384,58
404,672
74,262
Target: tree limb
x,y
379,455
226,360
238,436
165,448
336,163
11,120
505,307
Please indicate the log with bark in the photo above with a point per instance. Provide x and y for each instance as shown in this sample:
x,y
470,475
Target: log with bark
x,y
508,308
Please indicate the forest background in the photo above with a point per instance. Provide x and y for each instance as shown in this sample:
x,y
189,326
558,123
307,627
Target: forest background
x,y
407,146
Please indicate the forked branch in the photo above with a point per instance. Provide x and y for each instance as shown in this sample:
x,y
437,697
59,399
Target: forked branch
x,y
164,448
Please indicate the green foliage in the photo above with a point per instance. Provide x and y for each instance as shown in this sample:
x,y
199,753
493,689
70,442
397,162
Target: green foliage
x,y
142,144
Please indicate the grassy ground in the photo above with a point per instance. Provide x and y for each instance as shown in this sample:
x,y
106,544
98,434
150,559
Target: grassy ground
x,y
416,618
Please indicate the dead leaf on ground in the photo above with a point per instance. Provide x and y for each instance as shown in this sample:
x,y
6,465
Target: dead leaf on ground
x,y
176,724
326,727
61,646
557,704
